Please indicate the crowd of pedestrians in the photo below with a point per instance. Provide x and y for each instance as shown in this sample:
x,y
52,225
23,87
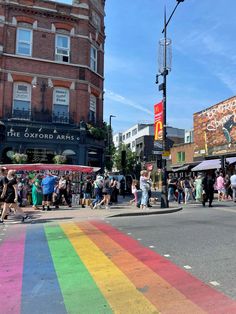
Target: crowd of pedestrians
x,y
202,188
42,191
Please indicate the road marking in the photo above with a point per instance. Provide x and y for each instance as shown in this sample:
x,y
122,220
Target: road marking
x,y
167,255
214,283
129,233
110,286
139,239
151,246
187,267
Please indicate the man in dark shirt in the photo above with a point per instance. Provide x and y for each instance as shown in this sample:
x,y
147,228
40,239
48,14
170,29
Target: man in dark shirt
x,y
208,189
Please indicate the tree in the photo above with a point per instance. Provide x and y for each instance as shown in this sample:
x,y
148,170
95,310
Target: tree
x,y
130,159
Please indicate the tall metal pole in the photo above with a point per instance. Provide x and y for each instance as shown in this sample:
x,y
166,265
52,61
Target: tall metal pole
x,y
110,135
164,196
164,191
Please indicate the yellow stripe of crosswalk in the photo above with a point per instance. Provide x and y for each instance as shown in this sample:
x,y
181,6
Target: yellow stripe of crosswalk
x,y
121,294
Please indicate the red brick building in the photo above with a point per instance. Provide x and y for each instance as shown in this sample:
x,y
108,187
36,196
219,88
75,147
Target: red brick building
x,y
51,79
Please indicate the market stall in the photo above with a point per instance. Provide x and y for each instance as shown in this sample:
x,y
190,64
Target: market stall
x,y
75,172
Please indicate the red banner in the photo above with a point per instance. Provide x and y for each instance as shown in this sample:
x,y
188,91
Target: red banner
x,y
158,121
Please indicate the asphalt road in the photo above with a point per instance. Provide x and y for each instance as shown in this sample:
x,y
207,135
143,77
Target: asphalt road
x,y
200,240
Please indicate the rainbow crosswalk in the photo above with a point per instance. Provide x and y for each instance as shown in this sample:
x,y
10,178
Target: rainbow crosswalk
x,y
92,268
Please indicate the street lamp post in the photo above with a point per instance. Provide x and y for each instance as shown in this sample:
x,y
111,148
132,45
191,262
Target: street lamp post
x,y
164,72
110,135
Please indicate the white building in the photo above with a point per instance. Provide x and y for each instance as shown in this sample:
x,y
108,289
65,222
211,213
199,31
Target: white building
x,y
188,136
131,135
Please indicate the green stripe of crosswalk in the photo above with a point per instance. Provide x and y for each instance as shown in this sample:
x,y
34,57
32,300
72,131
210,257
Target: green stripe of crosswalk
x,y
80,292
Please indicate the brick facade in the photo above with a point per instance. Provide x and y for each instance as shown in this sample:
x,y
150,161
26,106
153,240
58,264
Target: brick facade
x,y
44,72
187,149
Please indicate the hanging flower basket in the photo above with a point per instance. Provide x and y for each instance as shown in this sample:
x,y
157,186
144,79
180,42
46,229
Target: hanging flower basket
x,y
59,159
19,158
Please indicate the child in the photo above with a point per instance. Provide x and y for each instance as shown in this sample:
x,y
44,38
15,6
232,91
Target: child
x,y
134,189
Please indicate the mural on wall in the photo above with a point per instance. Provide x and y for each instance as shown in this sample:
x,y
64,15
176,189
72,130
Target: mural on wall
x,y
215,129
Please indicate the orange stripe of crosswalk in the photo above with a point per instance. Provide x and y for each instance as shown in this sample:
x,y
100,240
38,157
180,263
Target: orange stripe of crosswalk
x,y
165,297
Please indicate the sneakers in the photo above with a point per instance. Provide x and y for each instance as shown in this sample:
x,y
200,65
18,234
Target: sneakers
x,y
1,221
25,218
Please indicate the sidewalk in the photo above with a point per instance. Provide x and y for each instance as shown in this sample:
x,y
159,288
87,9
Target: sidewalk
x,y
121,209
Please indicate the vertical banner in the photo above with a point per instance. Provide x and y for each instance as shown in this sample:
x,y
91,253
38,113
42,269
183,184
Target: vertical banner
x,y
158,121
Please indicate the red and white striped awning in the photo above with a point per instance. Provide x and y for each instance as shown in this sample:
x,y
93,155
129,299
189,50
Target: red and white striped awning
x,y
59,167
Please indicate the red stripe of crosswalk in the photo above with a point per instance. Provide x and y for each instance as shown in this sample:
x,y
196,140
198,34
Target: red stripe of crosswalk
x,y
198,292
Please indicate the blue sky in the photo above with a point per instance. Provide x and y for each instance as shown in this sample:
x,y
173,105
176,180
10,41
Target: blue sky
x,y
203,59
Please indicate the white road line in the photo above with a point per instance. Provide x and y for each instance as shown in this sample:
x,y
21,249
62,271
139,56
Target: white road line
x,y
151,246
187,267
167,255
214,283
129,233
139,239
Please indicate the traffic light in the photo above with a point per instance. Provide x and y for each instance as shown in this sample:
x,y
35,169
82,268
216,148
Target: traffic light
x,y
222,163
159,161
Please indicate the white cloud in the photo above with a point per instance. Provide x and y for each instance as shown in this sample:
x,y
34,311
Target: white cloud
x,y
121,99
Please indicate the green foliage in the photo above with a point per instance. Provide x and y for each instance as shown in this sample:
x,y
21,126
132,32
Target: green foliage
x,y
98,133
19,158
59,159
131,159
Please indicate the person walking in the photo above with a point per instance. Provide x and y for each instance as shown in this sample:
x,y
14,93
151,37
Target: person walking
x,y
187,189
114,190
228,190
134,190
98,185
233,185
11,197
172,186
37,196
48,184
87,191
106,192
180,190
208,189
220,186
144,186
198,188
62,191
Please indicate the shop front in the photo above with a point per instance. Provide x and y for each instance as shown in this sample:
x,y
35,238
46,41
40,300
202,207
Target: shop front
x,y
42,144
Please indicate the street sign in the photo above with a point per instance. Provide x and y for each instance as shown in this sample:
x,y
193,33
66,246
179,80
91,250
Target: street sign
x,y
157,152
166,153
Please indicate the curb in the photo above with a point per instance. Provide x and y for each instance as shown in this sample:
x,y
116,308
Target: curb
x,y
147,212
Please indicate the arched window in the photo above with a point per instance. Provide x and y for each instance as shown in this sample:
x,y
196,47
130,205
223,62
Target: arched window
x,y
21,100
61,105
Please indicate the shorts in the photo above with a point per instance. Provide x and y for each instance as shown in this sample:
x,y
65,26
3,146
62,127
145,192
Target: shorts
x,y
10,198
47,197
